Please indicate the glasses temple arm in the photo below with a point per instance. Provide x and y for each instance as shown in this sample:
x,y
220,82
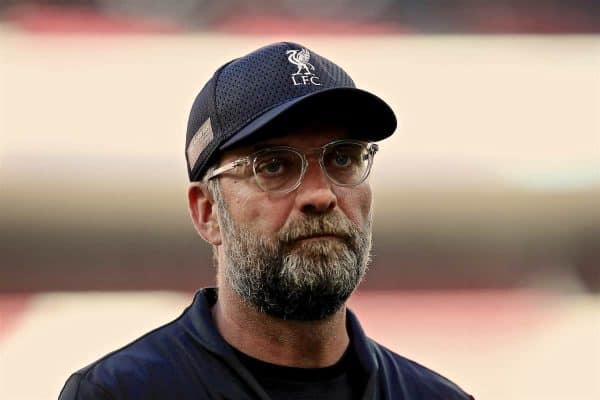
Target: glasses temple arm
x,y
225,168
373,148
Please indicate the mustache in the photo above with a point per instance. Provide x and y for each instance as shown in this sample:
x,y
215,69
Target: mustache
x,y
318,225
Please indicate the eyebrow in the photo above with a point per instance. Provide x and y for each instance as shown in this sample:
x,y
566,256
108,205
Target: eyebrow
x,y
261,146
249,149
266,144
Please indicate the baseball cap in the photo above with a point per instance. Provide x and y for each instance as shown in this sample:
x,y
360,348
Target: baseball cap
x,y
281,81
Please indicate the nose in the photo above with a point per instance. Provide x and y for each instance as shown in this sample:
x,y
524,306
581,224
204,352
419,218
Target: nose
x,y
315,194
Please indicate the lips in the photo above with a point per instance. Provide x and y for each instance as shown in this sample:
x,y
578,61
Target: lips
x,y
319,237
322,236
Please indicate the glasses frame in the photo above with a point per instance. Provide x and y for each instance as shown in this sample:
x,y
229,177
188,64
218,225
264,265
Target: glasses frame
x,y
371,149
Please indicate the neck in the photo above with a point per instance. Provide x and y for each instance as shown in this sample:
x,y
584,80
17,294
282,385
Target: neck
x,y
303,344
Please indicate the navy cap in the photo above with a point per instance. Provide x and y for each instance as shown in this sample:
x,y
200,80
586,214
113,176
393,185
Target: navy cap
x,y
283,80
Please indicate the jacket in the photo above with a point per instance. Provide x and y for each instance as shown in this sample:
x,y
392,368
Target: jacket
x,y
188,359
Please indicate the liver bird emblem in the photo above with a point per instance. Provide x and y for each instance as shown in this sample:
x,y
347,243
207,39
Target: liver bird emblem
x,y
300,59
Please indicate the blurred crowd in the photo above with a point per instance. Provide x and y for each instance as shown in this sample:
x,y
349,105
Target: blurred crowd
x,y
344,16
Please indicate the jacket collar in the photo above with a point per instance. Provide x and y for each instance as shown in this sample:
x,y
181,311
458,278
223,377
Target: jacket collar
x,y
198,322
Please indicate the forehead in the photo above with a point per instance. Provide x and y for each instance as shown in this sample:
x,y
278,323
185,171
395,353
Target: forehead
x,y
306,137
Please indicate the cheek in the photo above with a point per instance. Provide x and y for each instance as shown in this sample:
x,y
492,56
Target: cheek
x,y
259,211
356,203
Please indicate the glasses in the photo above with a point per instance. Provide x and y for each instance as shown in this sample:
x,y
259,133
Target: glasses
x,y
280,169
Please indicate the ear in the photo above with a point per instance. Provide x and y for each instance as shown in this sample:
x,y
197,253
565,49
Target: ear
x,y
203,211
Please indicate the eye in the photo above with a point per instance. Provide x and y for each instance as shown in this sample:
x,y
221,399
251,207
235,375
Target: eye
x,y
342,160
344,157
271,167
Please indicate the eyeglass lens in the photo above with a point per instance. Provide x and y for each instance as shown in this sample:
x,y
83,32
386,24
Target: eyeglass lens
x,y
278,170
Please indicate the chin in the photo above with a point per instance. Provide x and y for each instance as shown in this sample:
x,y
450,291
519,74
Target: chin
x,y
316,302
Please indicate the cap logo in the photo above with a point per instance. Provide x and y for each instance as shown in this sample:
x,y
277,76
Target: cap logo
x,y
303,76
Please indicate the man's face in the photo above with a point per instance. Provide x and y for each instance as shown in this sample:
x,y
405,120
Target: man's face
x,y
298,255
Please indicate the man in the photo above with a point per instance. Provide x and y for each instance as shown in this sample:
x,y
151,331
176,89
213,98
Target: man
x,y
279,148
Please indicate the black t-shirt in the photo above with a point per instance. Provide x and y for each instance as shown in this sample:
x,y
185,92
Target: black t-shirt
x,y
341,381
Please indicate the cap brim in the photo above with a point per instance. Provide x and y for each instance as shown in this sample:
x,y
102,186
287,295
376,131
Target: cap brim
x,y
369,117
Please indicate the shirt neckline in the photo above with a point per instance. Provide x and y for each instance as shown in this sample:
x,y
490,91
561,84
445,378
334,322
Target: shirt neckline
x,y
268,370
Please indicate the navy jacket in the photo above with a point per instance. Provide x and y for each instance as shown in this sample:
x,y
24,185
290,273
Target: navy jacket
x,y
188,359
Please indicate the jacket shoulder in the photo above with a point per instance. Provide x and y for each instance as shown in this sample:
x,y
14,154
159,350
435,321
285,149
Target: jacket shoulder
x,y
78,387
420,381
132,370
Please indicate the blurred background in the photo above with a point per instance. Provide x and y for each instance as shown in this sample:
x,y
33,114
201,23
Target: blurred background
x,y
487,199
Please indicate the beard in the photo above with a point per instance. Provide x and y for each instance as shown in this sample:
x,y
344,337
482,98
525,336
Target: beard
x,y
293,279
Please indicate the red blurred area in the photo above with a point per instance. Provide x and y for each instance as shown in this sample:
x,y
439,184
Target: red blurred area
x,y
62,20
272,17
12,308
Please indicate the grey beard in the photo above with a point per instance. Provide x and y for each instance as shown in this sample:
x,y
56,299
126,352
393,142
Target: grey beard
x,y
288,279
